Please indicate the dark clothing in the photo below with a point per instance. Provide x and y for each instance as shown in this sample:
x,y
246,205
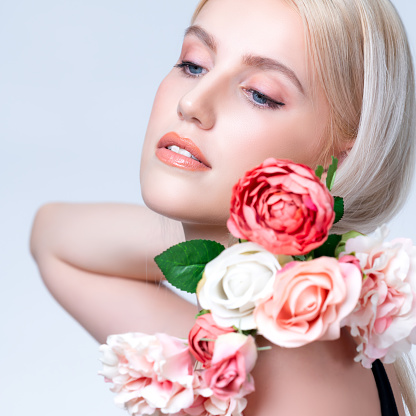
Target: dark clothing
x,y
387,402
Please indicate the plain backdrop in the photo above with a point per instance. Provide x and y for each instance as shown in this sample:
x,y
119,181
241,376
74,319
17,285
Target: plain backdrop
x,y
77,81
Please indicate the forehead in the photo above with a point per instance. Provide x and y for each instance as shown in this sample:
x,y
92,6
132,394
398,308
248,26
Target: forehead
x,y
260,27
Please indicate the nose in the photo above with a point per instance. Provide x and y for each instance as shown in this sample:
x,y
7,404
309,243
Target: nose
x,y
197,105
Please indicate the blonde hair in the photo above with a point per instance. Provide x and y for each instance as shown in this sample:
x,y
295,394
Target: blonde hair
x,y
360,56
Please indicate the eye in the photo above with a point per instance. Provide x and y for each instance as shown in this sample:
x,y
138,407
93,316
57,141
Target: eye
x,y
191,69
261,100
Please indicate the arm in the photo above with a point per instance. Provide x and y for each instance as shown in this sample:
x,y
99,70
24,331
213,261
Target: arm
x,y
97,261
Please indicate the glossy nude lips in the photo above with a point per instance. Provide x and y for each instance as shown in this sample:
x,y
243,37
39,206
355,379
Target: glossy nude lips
x,y
180,152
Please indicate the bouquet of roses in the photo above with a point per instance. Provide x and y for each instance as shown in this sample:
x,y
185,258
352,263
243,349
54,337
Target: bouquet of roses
x,y
288,280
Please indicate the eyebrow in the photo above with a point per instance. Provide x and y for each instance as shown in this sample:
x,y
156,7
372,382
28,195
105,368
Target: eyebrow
x,y
203,36
267,64
254,61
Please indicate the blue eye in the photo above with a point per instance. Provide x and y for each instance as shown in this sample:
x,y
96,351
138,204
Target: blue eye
x,y
259,98
195,69
190,69
262,101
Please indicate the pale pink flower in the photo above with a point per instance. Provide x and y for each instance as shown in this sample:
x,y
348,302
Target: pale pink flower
x,y
309,301
385,318
197,408
228,407
229,374
149,373
283,206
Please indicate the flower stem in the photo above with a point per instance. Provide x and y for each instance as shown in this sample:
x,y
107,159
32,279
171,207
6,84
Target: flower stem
x,y
264,348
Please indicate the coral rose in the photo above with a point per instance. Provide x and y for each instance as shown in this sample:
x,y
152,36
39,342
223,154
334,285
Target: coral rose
x,y
149,372
205,329
283,206
234,357
385,318
233,282
309,301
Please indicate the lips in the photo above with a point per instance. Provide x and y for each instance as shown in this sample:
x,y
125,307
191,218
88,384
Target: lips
x,y
178,160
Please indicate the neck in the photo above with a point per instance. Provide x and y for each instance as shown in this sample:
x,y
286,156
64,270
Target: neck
x,y
216,233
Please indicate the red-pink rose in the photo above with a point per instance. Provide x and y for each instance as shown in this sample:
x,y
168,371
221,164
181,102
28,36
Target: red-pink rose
x,y
309,301
205,328
234,357
282,206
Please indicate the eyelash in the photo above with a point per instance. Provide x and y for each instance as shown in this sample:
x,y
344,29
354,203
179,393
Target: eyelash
x,y
270,103
184,67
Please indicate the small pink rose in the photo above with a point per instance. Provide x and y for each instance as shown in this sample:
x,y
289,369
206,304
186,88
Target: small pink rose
x,y
205,329
351,260
234,357
283,206
309,301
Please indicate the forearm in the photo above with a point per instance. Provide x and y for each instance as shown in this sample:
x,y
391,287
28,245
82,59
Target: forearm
x,y
106,305
97,261
107,239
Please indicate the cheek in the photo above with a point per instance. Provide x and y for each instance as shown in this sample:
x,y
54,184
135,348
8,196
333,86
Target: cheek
x,y
161,116
281,135
165,102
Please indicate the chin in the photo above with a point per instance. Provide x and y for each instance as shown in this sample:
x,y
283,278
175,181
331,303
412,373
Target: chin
x,y
184,205
188,197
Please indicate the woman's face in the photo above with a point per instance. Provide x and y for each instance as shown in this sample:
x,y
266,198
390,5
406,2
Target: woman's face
x,y
240,93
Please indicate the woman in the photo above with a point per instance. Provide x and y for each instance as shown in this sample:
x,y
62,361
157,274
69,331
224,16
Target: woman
x,y
297,80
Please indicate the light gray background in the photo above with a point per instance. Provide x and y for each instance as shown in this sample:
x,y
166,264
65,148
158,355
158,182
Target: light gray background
x,y
77,80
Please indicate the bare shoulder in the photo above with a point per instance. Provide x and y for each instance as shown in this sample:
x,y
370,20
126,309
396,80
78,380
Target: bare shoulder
x,y
320,379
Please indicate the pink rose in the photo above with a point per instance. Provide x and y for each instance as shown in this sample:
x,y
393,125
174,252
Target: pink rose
x,y
309,301
385,318
234,357
351,260
149,372
205,328
283,206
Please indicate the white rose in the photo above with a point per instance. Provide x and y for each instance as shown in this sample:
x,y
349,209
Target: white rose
x,y
234,281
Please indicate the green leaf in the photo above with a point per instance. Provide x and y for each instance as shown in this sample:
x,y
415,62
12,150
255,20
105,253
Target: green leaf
x,y
248,332
184,263
302,257
341,245
330,177
328,248
319,171
202,312
338,208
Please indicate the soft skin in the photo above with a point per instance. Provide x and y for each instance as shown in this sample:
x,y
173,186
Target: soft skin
x,y
216,104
